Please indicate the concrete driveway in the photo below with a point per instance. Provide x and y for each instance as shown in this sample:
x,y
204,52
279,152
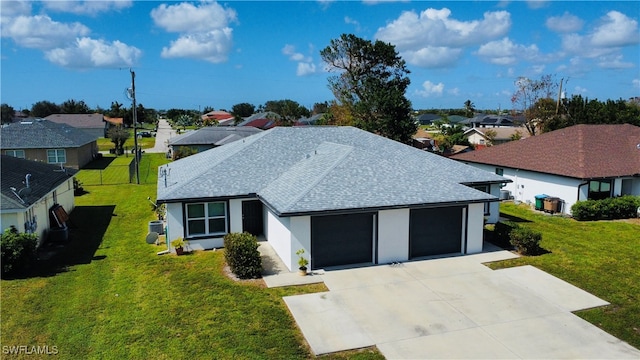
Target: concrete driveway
x,y
453,308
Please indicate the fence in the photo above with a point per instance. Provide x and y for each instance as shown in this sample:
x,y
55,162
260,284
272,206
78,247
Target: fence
x,y
120,170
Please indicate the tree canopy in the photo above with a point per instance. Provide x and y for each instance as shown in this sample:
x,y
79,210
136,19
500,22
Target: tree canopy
x,y
371,84
533,98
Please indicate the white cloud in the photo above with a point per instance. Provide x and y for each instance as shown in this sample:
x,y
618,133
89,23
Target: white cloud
x,y
566,23
305,63
505,52
616,30
87,7
87,53
636,83
432,57
580,90
305,69
538,69
614,62
40,31
350,21
454,91
418,34
430,89
537,4
204,30
11,9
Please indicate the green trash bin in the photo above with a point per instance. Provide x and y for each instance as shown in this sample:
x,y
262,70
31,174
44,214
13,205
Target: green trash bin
x,y
540,201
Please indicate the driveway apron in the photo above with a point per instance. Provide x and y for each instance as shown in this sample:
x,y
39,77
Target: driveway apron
x,y
453,308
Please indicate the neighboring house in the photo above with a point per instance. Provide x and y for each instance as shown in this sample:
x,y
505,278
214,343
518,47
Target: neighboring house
x,y
94,124
311,120
344,195
49,142
111,123
482,137
492,121
29,191
222,118
424,140
427,119
209,137
575,163
263,120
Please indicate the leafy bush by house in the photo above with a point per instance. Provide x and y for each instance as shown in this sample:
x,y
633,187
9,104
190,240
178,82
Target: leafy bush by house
x,y
242,255
525,240
18,250
623,207
501,232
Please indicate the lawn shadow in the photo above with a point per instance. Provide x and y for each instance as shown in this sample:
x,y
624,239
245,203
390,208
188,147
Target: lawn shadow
x,y
513,218
99,163
87,226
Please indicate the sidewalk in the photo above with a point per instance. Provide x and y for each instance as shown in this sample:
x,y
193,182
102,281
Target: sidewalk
x,y
163,135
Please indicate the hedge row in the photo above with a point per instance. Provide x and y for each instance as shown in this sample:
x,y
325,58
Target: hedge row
x,y
525,240
242,255
623,207
18,250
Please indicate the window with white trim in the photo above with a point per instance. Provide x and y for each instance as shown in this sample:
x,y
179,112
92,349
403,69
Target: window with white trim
x,y
15,153
206,218
56,156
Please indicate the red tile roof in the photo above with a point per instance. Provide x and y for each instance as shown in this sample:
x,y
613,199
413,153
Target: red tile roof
x,y
580,151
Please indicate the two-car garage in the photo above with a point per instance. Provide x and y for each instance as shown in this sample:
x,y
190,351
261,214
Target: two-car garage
x,y
351,238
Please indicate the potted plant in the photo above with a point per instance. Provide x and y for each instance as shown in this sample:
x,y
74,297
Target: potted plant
x,y
302,263
179,244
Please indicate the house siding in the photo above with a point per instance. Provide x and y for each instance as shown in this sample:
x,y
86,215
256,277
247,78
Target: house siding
x,y
473,228
279,237
40,211
76,157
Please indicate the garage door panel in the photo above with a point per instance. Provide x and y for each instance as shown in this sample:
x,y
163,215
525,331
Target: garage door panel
x,y
341,240
435,231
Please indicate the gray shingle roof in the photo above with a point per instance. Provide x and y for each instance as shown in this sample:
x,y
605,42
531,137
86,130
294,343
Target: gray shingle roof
x,y
42,134
302,170
44,178
213,136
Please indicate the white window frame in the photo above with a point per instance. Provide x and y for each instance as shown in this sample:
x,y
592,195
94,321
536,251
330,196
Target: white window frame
x,y
206,218
15,153
59,154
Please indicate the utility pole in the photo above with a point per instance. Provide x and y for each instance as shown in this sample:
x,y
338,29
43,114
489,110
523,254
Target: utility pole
x,y
135,126
559,96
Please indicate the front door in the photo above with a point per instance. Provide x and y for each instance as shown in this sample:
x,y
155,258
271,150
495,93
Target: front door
x,y
252,218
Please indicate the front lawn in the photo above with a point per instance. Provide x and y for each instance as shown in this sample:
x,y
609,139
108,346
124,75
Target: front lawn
x,y
108,295
601,257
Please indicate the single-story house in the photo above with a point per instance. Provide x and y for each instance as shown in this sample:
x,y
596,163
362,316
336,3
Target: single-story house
x,y
50,142
576,163
112,123
222,118
95,124
344,195
480,136
311,120
492,121
30,191
264,120
209,137
427,119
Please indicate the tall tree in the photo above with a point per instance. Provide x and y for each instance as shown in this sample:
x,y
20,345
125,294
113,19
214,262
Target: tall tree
x,y
469,108
290,111
242,110
372,82
6,113
528,94
74,107
44,108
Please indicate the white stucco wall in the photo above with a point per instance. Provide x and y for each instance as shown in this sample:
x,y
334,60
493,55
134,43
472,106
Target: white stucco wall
x,y
526,185
494,207
278,234
175,228
393,235
235,215
474,228
300,239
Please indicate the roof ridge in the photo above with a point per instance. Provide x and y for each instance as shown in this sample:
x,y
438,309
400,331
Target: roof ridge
x,y
335,152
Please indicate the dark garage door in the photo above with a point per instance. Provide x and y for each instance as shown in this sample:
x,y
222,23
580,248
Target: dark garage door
x,y
435,231
341,240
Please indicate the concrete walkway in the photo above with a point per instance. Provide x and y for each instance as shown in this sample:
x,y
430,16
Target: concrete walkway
x,y
452,308
164,133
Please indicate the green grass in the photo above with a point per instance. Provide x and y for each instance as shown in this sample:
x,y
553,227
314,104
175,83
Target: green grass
x,y
601,257
107,295
104,144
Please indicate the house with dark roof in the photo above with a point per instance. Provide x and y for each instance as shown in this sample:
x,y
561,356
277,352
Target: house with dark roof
x,y
30,191
427,119
572,164
344,195
49,142
264,120
94,124
209,137
492,121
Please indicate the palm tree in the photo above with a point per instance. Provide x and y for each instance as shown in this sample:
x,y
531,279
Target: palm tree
x,y
469,108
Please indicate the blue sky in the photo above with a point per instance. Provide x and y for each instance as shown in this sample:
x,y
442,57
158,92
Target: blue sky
x,y
195,54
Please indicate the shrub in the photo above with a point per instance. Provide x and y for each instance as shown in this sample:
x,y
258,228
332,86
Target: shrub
x,y
623,207
501,232
242,255
18,250
525,240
